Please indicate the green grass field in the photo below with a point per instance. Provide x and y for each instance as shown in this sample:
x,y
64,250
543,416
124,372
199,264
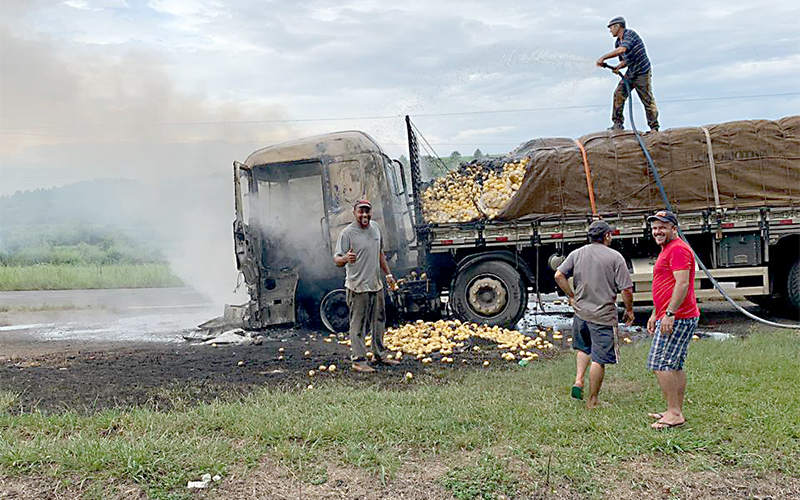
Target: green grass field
x,y
84,276
508,430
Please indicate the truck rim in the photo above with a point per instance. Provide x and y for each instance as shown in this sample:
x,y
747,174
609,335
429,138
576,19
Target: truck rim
x,y
333,311
487,295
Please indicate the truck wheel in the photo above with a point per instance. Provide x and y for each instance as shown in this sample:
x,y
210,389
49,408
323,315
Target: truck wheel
x,y
768,302
333,311
793,287
490,292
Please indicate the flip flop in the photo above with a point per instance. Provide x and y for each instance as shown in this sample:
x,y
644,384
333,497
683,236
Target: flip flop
x,y
657,416
577,392
660,426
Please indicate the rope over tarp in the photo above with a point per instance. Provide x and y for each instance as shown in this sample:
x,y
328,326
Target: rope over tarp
x,y
588,172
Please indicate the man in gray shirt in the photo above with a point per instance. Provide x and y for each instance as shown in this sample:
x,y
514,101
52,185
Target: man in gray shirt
x,y
599,273
360,250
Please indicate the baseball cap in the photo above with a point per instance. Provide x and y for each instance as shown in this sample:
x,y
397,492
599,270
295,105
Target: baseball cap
x,y
599,228
663,216
617,20
362,203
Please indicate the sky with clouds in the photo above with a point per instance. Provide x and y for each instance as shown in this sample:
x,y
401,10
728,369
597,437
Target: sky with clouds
x,y
151,88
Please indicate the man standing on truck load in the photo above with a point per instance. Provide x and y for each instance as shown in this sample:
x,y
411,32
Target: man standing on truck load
x,y
360,250
632,55
599,274
674,318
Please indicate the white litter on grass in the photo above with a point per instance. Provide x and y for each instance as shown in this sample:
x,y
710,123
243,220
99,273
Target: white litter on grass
x,y
204,480
715,335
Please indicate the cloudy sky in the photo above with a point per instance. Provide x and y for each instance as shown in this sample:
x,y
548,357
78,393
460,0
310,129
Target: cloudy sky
x,y
149,88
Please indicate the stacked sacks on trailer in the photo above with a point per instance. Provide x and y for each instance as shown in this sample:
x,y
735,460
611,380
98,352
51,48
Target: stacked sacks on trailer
x,y
728,165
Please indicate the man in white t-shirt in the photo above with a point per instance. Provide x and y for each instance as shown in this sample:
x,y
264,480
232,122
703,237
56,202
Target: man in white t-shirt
x,y
360,250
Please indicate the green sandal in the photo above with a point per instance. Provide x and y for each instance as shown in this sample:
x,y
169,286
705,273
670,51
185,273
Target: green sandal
x,y
577,392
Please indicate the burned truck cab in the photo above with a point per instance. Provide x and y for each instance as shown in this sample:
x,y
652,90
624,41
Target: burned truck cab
x,y
292,201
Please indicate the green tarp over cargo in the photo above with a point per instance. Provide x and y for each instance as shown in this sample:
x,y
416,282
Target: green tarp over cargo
x,y
757,163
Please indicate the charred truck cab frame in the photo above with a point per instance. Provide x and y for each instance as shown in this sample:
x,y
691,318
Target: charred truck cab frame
x,y
292,201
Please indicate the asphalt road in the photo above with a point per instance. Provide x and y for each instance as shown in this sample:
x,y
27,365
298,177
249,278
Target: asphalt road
x,y
120,298
55,320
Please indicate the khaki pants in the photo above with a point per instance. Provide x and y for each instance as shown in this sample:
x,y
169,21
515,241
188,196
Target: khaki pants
x,y
367,317
643,84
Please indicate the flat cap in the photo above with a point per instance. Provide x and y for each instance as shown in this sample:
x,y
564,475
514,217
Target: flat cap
x,y
617,20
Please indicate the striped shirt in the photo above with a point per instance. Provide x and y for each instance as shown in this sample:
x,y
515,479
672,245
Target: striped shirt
x,y
635,56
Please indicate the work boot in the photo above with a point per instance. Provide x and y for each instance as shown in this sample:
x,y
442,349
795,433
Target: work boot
x,y
362,367
387,361
617,127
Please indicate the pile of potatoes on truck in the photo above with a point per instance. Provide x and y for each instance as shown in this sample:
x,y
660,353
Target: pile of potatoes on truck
x,y
472,192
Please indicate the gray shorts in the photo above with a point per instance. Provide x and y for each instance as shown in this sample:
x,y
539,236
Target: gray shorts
x,y
594,339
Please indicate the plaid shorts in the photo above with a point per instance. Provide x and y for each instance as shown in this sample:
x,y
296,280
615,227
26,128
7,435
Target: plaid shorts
x,y
668,352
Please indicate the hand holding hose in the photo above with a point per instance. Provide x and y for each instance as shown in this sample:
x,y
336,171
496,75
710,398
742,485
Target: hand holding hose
x,y
601,64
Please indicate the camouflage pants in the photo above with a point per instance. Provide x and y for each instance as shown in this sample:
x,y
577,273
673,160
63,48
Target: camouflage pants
x,y
644,88
367,317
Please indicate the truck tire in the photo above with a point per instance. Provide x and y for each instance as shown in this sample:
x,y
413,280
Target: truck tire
x,y
793,287
769,302
490,292
333,311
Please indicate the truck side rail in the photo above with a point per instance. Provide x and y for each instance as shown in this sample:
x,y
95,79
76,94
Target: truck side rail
x,y
527,232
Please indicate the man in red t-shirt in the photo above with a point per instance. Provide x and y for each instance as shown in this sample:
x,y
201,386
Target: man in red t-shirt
x,y
675,316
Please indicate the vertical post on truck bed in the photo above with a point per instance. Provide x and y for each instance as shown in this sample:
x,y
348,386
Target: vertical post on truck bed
x,y
416,174
416,185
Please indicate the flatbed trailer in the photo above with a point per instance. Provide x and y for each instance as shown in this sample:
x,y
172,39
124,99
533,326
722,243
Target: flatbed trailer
x,y
739,245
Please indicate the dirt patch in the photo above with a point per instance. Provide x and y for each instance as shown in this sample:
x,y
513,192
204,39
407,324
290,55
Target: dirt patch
x,y
649,478
41,488
643,479
271,481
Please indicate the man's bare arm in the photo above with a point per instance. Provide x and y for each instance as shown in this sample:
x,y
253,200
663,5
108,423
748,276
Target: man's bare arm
x,y
680,291
611,55
385,264
627,299
563,284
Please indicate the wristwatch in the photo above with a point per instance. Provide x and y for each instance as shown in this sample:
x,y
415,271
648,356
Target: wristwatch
x,y
669,314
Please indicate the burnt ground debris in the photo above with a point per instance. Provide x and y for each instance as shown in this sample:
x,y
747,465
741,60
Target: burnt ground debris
x,y
92,379
92,376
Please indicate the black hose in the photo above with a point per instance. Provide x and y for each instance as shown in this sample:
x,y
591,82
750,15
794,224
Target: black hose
x,y
668,206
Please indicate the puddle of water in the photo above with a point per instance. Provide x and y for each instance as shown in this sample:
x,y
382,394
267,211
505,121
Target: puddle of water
x,y
13,328
164,328
558,315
